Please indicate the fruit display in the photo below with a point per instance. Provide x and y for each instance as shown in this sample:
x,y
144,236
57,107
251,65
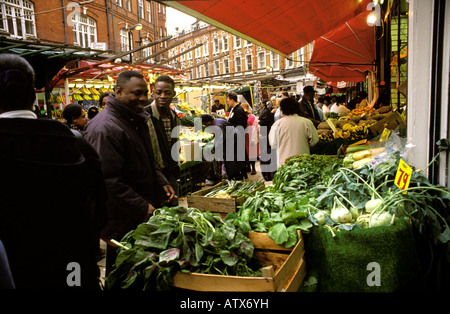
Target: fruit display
x,y
354,126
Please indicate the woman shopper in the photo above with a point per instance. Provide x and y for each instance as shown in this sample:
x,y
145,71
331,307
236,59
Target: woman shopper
x,y
251,139
292,135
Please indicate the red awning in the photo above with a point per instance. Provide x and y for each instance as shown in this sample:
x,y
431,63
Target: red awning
x,y
282,26
346,53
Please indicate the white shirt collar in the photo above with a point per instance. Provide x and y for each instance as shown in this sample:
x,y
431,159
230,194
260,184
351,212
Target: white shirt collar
x,y
27,114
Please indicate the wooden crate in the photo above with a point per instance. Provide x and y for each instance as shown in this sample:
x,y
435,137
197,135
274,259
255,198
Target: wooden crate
x,y
215,204
284,272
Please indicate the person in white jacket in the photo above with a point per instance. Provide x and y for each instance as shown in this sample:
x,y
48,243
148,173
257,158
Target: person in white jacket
x,y
293,135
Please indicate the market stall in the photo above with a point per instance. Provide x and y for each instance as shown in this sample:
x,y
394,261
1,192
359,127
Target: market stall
x,y
378,215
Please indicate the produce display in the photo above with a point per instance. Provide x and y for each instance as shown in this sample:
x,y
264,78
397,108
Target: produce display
x,y
234,188
321,191
187,113
191,136
354,126
285,206
180,239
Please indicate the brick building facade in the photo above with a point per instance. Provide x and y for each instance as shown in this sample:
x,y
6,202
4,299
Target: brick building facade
x,y
97,24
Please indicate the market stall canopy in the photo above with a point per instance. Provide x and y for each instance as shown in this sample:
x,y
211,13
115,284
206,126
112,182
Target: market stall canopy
x,y
282,26
346,53
46,59
90,70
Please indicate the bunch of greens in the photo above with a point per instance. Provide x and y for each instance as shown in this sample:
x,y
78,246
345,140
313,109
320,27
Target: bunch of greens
x,y
302,172
276,213
180,239
234,187
285,206
370,194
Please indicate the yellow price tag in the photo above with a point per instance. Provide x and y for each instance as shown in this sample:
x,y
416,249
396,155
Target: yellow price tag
x,y
385,135
403,175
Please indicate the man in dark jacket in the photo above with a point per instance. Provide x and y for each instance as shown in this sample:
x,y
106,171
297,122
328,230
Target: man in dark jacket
x,y
164,131
307,107
135,183
48,179
235,164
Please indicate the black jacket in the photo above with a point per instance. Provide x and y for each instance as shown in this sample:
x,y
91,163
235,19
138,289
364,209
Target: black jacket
x,y
238,117
51,203
133,179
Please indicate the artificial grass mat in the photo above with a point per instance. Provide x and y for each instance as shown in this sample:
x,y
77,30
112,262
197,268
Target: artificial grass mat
x,y
340,263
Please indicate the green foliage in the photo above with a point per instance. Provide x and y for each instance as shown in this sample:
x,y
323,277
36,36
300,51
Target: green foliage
x,y
180,239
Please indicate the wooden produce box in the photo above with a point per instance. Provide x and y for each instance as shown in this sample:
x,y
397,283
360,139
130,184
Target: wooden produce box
x,y
284,272
391,122
216,204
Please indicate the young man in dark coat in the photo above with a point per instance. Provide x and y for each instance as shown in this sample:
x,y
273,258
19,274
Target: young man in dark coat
x,y
52,191
135,183
164,131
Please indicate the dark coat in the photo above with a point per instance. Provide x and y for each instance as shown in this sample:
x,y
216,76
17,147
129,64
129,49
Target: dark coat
x,y
308,110
238,117
133,179
48,185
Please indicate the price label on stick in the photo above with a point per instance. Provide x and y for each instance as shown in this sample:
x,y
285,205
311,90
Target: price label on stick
x,y
403,175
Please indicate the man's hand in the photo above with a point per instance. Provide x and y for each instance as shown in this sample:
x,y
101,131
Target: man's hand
x,y
170,193
150,211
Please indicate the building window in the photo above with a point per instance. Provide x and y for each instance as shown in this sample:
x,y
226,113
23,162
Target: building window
x,y
198,52
128,5
84,30
249,62
237,42
290,61
161,34
183,56
261,60
248,43
141,8
216,67
119,3
206,66
206,49
238,64
124,43
149,10
147,51
216,46
275,61
17,18
226,66
225,43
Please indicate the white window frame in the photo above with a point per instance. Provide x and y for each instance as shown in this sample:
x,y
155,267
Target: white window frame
x,y
216,46
226,66
124,40
225,43
85,25
16,16
249,65
119,3
236,41
261,60
205,48
141,11
290,61
149,10
217,67
238,64
128,5
275,60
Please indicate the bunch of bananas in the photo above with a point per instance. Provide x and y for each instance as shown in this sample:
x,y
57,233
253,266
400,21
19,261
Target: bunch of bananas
x,y
77,96
326,137
56,99
352,132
